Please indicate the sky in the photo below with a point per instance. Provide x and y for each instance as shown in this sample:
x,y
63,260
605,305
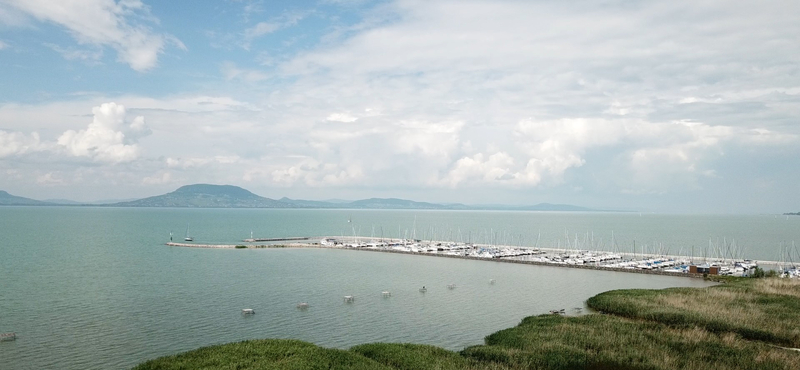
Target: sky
x,y
657,106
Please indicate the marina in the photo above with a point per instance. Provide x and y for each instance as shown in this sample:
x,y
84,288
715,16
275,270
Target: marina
x,y
563,257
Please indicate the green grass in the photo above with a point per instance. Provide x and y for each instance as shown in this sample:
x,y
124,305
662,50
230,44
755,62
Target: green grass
x,y
609,342
415,356
767,310
266,354
736,325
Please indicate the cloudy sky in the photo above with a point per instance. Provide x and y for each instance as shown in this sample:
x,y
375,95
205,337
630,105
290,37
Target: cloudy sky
x,y
668,106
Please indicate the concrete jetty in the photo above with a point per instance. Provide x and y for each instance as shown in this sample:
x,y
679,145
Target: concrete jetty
x,y
241,246
253,240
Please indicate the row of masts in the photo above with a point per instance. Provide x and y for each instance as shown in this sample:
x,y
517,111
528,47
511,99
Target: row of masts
x,y
723,249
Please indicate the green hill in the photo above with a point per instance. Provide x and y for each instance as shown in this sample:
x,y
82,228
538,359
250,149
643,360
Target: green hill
x,y
207,196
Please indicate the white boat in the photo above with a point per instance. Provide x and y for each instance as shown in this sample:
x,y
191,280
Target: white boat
x,y
188,238
248,311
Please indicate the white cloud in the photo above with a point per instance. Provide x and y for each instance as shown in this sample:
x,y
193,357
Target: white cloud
x,y
108,138
15,143
3,45
88,56
50,178
496,167
309,172
267,27
158,179
232,72
261,29
200,162
105,23
763,136
341,117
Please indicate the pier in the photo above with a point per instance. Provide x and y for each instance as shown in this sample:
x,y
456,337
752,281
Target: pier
x,y
241,246
254,240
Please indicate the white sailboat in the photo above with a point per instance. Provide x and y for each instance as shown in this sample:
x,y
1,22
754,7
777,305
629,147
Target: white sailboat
x,y
188,238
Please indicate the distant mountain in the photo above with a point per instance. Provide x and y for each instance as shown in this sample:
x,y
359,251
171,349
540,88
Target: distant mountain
x,y
65,202
207,196
554,207
792,214
229,196
394,203
7,199
68,202
299,203
336,201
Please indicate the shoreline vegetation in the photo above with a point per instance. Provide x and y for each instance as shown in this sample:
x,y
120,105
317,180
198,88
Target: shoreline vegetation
x,y
742,323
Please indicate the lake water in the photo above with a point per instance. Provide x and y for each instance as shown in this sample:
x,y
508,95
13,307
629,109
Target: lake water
x,y
96,288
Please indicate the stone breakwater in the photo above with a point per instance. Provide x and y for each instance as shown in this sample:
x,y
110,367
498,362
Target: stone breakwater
x,y
241,246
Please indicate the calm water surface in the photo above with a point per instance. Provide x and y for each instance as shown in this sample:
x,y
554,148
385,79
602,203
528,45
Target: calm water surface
x,y
95,288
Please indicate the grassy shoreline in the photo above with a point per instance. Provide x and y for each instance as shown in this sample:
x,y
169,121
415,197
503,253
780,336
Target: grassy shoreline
x,y
740,324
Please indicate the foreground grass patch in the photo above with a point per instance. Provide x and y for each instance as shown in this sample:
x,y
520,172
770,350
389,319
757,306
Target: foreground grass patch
x,y
767,310
415,356
264,354
608,342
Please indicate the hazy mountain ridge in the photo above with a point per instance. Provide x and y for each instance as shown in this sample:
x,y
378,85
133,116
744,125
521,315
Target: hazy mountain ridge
x,y
229,196
7,199
300,203
395,203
